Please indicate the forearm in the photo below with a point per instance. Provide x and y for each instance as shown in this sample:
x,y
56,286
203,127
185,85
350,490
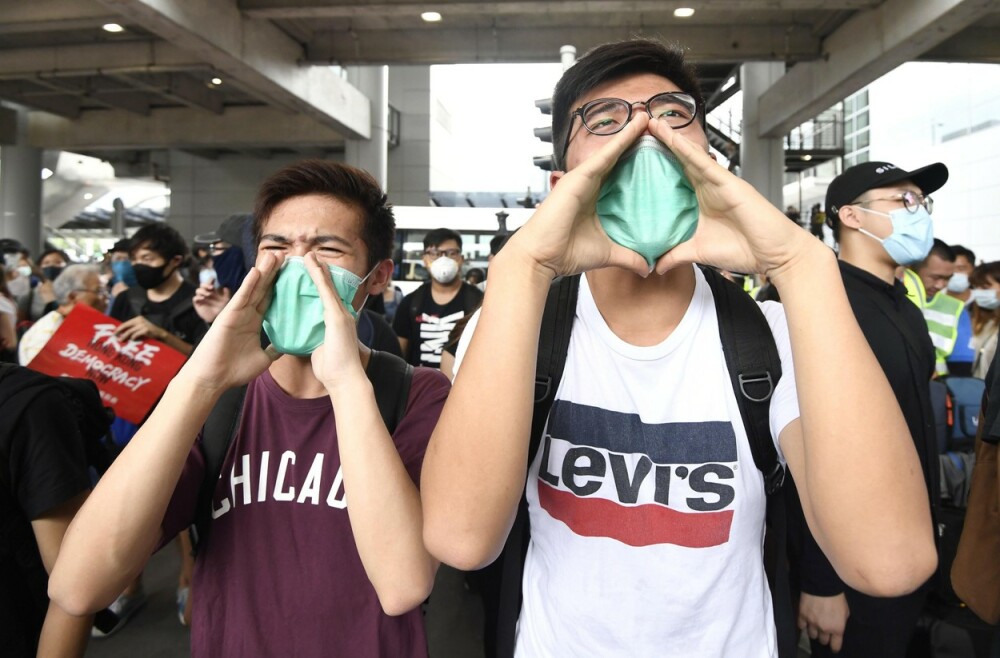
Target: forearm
x,y
859,477
64,635
474,469
383,501
114,533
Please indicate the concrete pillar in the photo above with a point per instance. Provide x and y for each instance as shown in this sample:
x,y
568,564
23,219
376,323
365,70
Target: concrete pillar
x,y
410,161
370,154
762,160
20,184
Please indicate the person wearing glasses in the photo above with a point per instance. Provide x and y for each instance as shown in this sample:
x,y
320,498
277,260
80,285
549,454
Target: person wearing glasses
x,y
881,217
427,315
77,284
629,553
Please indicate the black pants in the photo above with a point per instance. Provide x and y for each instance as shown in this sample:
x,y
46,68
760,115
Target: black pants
x,y
877,627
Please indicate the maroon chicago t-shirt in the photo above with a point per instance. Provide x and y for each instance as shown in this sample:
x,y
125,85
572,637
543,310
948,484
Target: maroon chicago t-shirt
x,y
281,575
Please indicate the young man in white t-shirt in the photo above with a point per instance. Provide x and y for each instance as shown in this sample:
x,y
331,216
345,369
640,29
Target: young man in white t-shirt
x,y
646,509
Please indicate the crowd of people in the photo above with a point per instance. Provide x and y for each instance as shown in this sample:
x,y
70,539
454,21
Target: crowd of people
x,y
577,428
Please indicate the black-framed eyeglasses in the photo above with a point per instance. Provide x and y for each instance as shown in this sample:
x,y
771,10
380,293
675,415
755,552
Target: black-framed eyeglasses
x,y
437,253
607,116
911,201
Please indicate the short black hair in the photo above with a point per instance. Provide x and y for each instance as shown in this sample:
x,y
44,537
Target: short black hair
x,y
942,251
965,253
440,235
159,238
498,241
62,254
613,61
339,181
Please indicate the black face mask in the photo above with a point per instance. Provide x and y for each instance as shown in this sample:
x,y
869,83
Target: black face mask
x,y
149,277
52,271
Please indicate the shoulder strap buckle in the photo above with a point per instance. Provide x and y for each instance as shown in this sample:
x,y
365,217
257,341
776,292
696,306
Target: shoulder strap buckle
x,y
774,480
543,387
754,380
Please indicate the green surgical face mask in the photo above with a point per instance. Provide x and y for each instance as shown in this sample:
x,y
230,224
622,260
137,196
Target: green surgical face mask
x,y
294,320
647,204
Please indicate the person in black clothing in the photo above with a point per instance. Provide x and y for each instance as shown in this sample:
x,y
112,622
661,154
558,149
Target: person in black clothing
x,y
161,306
44,480
427,315
859,204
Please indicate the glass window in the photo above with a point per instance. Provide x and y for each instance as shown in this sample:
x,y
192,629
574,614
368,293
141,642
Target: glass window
x,y
849,126
862,139
862,100
863,120
862,156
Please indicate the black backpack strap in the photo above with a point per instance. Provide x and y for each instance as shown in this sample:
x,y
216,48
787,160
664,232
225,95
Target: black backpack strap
x,y
216,436
754,367
136,299
553,346
472,298
390,377
416,301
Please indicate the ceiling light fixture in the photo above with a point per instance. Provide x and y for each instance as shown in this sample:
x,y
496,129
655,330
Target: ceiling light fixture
x,y
112,27
431,16
684,12
807,157
88,196
216,81
46,173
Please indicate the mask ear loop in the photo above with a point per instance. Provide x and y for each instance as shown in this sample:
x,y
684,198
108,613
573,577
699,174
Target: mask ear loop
x,y
869,233
361,283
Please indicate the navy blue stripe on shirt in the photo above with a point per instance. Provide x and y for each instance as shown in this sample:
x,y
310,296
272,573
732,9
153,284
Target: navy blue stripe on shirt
x,y
623,433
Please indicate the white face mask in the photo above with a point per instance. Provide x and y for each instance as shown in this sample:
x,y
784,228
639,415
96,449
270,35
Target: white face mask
x,y
985,298
958,283
444,270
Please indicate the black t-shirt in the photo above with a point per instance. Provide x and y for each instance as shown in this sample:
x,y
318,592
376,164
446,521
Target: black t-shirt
x,y
185,324
426,324
44,462
897,334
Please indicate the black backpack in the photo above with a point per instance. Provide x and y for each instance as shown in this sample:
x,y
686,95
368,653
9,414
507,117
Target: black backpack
x,y
137,301
754,367
390,377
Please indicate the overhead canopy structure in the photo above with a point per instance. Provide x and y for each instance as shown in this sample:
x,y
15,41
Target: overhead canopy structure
x,y
279,85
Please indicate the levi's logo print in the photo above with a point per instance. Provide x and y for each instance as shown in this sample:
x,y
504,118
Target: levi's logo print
x,y
607,474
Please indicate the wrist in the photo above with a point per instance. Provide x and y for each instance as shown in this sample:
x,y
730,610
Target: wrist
x,y
514,261
814,260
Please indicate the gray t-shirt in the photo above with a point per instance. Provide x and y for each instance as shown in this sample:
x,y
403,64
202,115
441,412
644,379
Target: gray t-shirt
x,y
281,575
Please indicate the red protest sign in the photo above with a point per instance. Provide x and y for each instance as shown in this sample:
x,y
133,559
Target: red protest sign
x,y
131,375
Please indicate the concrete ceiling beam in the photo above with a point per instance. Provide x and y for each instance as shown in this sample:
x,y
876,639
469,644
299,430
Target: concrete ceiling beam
x,y
705,44
863,49
257,54
134,56
238,127
285,9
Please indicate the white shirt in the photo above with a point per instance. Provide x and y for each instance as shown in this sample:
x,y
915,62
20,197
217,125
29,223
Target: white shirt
x,y
646,508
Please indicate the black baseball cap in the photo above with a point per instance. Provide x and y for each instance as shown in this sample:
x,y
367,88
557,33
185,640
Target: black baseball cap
x,y
855,181
230,230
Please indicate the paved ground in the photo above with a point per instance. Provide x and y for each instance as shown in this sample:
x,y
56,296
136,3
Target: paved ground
x,y
154,632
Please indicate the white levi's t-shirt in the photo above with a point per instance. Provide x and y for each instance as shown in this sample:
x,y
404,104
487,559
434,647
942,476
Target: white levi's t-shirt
x,y
646,508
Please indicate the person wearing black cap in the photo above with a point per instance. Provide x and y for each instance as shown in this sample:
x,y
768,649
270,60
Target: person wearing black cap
x,y
880,215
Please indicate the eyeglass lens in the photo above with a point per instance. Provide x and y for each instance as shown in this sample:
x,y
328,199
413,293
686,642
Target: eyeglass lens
x,y
449,253
606,116
912,201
